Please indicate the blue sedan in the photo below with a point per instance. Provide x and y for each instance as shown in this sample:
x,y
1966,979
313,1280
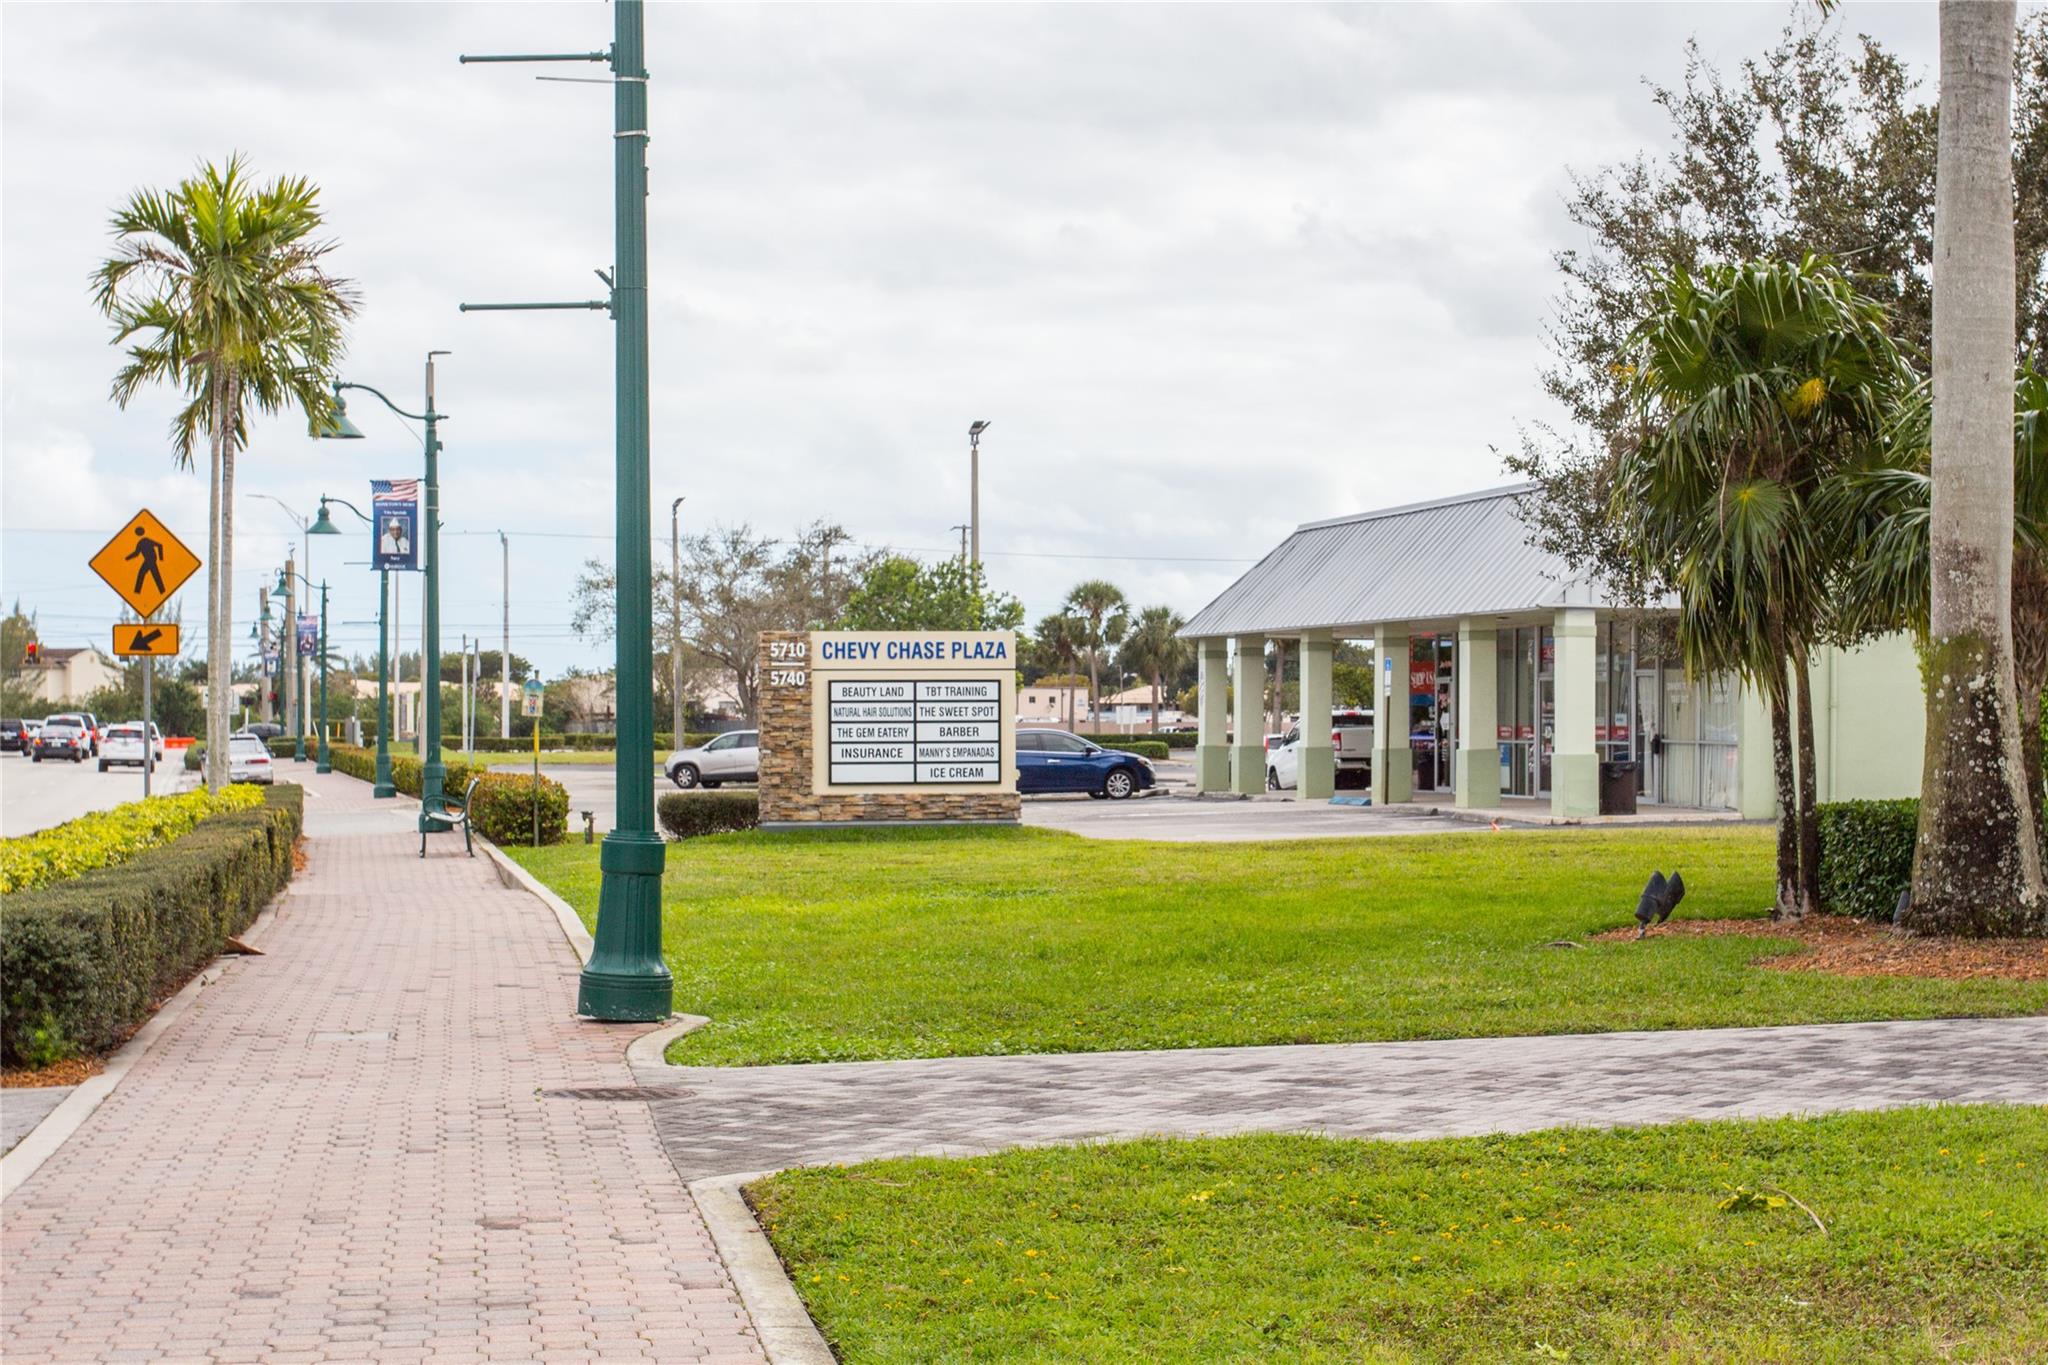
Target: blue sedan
x,y
1055,761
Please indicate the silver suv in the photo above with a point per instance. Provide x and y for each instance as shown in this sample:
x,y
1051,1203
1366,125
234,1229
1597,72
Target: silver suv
x,y
732,757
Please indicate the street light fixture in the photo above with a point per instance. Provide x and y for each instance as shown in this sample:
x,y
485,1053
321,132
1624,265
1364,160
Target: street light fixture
x,y
433,773
974,484
384,786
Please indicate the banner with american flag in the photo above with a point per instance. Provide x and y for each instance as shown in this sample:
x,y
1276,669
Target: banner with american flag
x,y
394,531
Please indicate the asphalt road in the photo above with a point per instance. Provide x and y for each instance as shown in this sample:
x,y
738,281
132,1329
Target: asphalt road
x,y
35,796
1165,816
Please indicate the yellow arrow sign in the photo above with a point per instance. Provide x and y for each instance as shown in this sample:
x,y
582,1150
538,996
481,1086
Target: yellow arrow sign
x,y
132,638
145,563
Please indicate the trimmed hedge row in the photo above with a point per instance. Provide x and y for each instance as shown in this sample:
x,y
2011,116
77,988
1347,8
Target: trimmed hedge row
x,y
502,808
1172,739
1866,855
684,815
84,961
1143,748
665,739
105,837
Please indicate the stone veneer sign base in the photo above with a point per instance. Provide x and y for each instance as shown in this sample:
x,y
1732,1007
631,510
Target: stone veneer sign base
x,y
888,728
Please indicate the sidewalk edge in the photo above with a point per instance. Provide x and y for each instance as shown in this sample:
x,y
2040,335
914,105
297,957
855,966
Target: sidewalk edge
x,y
783,1326
649,1052
42,1141
513,874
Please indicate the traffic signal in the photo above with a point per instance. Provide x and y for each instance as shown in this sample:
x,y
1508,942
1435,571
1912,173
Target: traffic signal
x,y
35,653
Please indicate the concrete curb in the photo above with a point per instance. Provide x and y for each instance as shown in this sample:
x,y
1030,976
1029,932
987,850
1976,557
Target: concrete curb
x,y
42,1141
512,874
649,1051
785,1329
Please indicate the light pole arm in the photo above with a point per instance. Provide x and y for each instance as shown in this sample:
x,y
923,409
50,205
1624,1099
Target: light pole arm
x,y
324,497
409,416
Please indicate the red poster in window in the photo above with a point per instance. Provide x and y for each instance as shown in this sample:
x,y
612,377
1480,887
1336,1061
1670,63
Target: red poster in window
x,y
1525,732
1504,732
1619,732
1599,731
1421,678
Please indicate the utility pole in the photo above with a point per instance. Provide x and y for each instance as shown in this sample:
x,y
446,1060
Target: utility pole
x,y
974,480
263,653
462,729
626,980
831,536
675,625
505,655
962,529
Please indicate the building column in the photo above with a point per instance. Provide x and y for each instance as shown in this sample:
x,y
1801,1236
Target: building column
x,y
1475,775
1393,768
1212,742
1248,754
1315,777
1574,762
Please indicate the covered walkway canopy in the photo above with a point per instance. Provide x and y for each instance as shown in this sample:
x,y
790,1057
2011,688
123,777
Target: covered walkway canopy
x,y
1496,668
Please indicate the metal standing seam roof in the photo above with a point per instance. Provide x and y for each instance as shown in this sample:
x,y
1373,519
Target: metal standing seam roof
x,y
1463,556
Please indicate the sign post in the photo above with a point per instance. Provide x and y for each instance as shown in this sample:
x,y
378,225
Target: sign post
x,y
529,706
162,564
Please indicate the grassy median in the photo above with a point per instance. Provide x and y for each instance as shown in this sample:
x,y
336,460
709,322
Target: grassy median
x,y
924,943
1565,1245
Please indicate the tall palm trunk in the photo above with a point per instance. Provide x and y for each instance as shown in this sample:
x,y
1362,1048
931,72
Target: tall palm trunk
x,y
1094,682
1156,690
221,694
1809,786
1789,905
2030,676
218,585
1977,862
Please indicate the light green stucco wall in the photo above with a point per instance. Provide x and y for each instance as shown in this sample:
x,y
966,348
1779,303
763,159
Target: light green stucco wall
x,y
1869,726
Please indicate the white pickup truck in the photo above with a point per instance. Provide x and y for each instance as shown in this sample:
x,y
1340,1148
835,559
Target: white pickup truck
x,y
1350,737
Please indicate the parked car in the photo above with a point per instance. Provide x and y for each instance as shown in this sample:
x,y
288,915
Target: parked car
x,y
249,760
733,757
1055,761
14,737
262,729
93,728
63,737
125,744
1350,740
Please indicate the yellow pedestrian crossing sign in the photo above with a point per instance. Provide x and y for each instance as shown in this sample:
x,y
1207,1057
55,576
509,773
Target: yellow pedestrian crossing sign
x,y
145,563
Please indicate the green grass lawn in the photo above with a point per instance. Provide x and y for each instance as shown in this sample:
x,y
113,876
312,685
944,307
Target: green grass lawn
x,y
1566,1245
843,945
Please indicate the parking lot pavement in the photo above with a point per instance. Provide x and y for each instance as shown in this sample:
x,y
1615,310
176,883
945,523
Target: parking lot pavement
x,y
592,787
36,796
1173,819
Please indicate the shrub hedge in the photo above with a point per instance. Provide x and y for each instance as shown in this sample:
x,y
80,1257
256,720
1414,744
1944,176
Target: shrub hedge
x,y
687,814
502,808
1866,855
106,837
85,960
1144,748
1172,739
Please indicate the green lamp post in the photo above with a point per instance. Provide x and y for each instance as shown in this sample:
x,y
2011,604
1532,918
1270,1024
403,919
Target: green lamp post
x,y
337,427
320,657
324,526
626,979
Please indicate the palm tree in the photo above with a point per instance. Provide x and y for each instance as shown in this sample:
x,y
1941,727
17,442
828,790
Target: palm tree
x,y
1102,606
1755,385
1977,860
1890,580
1153,649
1061,636
217,289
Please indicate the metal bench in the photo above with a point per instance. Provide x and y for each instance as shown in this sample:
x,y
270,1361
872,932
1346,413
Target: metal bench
x,y
454,813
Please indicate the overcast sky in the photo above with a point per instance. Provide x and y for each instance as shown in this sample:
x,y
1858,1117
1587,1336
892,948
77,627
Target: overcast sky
x,y
1210,271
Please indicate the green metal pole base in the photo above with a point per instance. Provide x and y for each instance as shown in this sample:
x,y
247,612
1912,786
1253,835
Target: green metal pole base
x,y
323,767
626,981
383,789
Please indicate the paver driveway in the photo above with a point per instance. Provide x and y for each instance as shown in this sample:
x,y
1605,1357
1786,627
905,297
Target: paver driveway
x,y
347,1149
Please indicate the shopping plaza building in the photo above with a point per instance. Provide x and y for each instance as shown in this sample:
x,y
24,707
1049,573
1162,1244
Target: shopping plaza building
x,y
1511,679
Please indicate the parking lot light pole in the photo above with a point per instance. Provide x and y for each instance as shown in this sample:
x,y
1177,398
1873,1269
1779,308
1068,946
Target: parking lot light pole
x,y
324,526
433,772
626,979
320,660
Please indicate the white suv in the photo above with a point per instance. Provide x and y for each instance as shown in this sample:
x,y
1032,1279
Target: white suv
x,y
733,757
125,745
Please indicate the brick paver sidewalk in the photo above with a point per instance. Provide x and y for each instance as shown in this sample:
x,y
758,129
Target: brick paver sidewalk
x,y
347,1149
754,1118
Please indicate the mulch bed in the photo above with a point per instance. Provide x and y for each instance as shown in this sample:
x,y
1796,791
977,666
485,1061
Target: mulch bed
x,y
58,1073
1854,947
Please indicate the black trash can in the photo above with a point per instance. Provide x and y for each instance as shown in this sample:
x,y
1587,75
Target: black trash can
x,y
1618,788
